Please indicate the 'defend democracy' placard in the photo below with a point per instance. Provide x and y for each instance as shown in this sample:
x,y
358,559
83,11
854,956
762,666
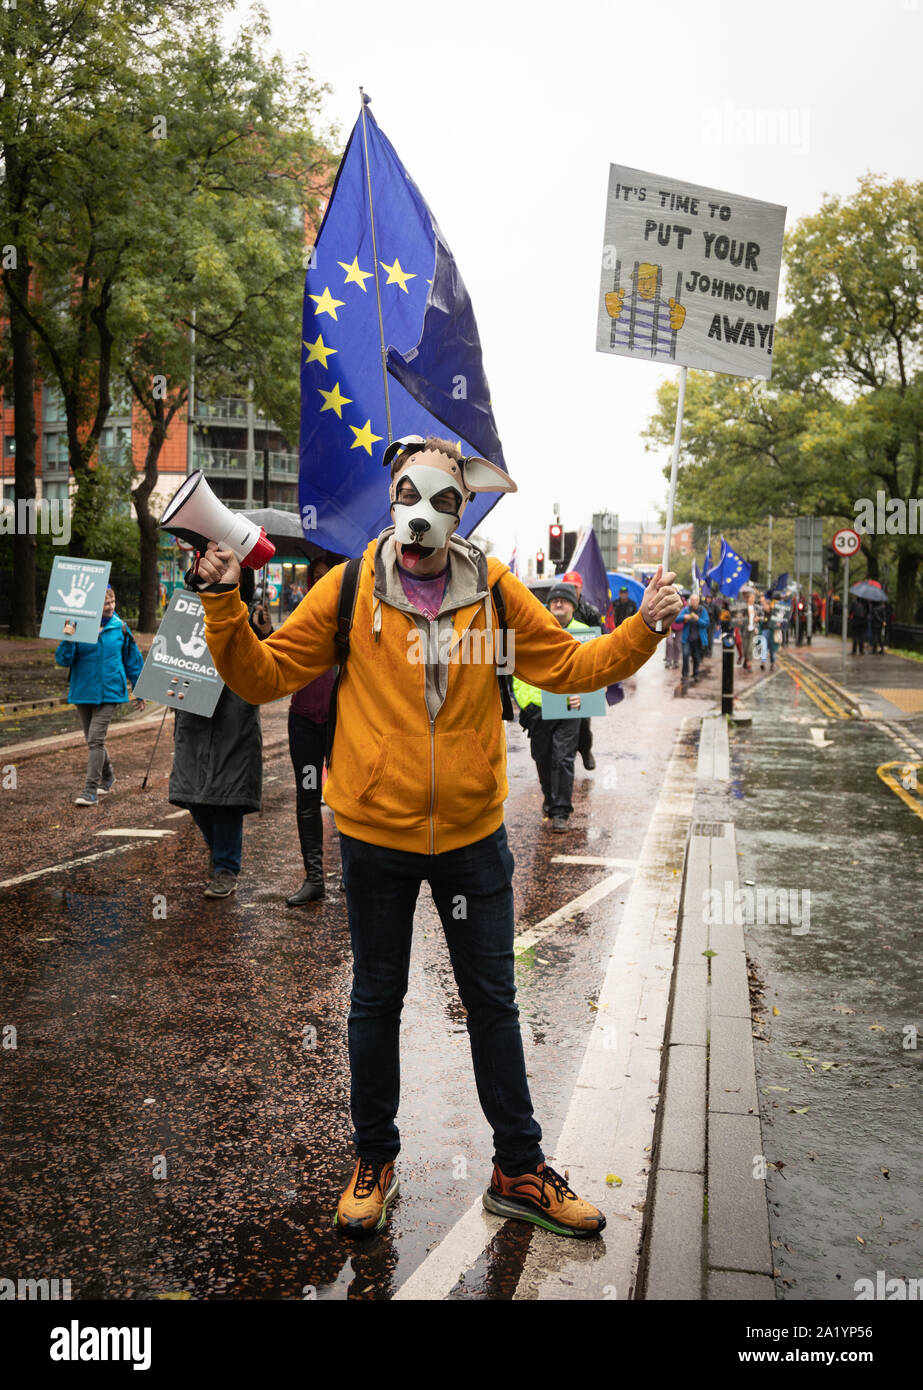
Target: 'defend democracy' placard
x,y
178,671
690,275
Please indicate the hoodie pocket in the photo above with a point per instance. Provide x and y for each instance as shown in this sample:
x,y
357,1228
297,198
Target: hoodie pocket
x,y
465,780
400,781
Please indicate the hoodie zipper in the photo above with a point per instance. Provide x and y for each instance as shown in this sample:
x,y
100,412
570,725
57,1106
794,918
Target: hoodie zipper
x,y
432,745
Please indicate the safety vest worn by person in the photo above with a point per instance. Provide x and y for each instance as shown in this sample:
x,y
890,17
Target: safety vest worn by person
x,y
529,694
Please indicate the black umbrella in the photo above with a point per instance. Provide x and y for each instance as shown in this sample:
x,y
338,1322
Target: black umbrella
x,y
284,530
873,593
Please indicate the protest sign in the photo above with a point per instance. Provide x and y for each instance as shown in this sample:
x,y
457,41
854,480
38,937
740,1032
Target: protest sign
x,y
690,275
592,704
75,598
178,671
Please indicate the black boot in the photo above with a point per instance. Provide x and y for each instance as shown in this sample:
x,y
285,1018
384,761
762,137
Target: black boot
x,y
311,835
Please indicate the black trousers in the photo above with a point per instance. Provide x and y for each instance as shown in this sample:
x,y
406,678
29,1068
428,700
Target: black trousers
x,y
585,742
554,747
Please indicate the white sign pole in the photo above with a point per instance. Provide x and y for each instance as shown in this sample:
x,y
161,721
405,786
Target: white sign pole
x,y
674,463
845,606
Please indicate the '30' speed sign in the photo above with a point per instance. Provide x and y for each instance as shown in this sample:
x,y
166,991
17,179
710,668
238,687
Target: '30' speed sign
x,y
846,543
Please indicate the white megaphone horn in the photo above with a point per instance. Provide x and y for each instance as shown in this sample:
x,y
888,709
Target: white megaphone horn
x,y
195,515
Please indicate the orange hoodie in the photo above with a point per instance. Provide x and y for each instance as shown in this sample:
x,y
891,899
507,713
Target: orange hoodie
x,y
419,761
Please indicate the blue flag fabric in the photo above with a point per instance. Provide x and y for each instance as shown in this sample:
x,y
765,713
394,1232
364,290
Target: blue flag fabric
x,y
781,583
699,575
731,572
588,561
635,589
436,382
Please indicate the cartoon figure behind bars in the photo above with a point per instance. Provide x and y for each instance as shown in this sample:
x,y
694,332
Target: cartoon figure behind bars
x,y
642,320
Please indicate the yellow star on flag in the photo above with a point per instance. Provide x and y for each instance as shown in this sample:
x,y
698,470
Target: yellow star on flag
x,y
364,438
333,400
326,304
355,276
396,276
317,352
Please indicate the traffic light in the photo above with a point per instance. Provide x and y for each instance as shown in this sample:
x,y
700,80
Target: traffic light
x,y
831,559
540,564
754,571
555,541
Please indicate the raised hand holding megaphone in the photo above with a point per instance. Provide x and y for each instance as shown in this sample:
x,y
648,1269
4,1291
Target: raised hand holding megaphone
x,y
223,540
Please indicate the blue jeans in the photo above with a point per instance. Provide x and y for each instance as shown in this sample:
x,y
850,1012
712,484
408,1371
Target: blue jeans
x,y
223,828
472,889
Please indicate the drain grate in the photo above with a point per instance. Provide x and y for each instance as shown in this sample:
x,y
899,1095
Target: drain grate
x,y
709,827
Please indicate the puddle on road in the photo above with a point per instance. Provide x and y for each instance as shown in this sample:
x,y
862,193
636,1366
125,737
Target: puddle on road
x,y
846,1196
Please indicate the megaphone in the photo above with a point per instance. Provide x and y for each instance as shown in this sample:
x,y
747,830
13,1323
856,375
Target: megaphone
x,y
195,515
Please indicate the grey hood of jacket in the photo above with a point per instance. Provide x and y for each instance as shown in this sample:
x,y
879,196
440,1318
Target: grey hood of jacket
x,y
467,584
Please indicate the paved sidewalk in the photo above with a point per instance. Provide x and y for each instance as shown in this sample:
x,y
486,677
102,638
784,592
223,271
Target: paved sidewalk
x,y
882,686
707,1236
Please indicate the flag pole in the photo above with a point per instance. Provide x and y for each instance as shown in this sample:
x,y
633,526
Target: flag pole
x,y
674,463
381,327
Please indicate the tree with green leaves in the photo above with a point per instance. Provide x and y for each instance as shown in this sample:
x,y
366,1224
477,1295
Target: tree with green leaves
x,y
245,170
177,193
842,417
60,63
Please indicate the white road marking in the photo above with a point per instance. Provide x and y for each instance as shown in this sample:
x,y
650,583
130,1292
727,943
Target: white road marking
x,y
598,1132
69,864
820,739
174,815
525,940
137,834
594,859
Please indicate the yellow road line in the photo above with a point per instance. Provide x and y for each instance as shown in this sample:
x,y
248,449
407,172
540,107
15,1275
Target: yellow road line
x,y
887,776
31,713
818,691
824,702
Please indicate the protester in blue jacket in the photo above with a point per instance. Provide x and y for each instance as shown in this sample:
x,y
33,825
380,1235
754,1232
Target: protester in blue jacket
x,y
98,683
694,619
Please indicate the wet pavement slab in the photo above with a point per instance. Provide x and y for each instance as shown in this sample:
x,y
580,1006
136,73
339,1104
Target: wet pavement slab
x,y
836,972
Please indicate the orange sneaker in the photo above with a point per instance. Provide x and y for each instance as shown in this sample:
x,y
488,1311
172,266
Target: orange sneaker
x,y
363,1207
544,1198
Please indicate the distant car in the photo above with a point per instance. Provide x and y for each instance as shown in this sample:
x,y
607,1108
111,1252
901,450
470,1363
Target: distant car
x,y
541,588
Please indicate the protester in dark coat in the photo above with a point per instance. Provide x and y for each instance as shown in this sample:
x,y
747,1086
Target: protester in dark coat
x,y
624,606
584,613
858,624
307,742
217,774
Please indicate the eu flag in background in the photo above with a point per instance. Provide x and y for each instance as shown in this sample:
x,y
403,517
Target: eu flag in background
x,y
731,572
436,382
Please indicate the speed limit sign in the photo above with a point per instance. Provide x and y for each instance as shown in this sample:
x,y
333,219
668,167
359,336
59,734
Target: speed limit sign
x,y
847,542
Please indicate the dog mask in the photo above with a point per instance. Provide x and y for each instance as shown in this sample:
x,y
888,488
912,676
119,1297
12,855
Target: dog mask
x,y
432,472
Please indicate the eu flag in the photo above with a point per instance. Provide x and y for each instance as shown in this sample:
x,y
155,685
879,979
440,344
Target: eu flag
x,y
436,382
731,572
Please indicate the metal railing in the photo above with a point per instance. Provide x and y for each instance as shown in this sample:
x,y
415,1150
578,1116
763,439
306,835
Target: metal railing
x,y
221,460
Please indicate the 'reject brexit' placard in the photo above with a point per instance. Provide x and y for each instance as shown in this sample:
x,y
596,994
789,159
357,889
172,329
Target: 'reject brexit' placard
x,y
75,598
690,275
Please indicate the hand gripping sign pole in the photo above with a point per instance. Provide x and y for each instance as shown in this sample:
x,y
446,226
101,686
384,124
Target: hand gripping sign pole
x,y
674,463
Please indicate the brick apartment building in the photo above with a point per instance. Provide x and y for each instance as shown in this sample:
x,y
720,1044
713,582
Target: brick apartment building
x,y
640,546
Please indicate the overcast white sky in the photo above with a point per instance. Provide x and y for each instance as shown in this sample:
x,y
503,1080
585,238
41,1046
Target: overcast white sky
x,y
507,116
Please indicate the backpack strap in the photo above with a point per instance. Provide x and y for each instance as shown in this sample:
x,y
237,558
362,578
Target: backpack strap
x,y
503,681
349,587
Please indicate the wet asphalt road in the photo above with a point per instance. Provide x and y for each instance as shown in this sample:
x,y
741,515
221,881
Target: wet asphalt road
x,y
839,1089
169,1132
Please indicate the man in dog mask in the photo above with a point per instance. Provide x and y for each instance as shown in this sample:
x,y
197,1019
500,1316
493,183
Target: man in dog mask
x,y
417,782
